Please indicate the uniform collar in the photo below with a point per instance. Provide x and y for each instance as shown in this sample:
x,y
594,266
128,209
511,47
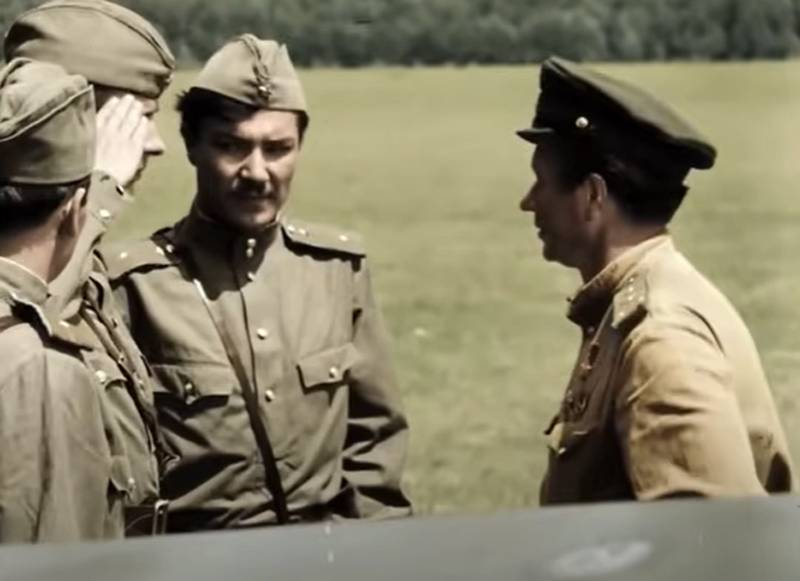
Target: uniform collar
x,y
20,286
592,300
198,231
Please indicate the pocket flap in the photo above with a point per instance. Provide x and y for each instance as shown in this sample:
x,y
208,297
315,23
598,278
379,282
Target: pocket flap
x,y
121,476
105,370
192,381
327,367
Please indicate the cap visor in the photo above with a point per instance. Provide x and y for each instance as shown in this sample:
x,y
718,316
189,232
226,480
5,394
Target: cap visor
x,y
535,134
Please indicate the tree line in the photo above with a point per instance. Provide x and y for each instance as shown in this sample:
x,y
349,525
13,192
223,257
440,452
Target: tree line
x,y
365,32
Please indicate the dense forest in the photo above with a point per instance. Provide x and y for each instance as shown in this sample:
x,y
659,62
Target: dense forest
x,y
363,32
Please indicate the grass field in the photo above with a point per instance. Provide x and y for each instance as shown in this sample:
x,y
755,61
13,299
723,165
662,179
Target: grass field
x,y
425,164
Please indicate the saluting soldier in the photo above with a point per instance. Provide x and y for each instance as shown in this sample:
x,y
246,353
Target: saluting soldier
x,y
668,397
56,481
129,64
274,382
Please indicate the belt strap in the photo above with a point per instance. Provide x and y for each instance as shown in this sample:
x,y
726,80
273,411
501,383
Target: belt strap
x,y
272,475
146,519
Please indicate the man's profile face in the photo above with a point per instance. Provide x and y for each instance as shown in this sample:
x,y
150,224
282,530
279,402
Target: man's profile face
x,y
245,167
557,210
154,144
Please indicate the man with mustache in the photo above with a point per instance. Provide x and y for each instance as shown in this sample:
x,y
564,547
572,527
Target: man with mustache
x,y
129,65
275,388
668,397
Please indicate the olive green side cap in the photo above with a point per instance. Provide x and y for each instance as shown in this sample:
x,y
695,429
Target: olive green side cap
x,y
255,72
108,44
47,124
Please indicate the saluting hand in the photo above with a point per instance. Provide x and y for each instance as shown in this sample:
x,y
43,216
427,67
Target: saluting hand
x,y
121,135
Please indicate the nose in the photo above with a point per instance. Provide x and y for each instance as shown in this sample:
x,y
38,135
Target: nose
x,y
255,168
153,144
527,203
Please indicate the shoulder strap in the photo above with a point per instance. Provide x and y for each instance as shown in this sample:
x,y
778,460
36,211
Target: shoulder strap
x,y
272,475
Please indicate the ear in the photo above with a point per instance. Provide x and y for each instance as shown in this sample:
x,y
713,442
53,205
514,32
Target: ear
x,y
71,215
596,194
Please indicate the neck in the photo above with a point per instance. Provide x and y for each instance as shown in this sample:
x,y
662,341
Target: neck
x,y
615,244
32,249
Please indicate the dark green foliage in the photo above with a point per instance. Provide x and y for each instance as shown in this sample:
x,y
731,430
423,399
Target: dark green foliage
x,y
361,32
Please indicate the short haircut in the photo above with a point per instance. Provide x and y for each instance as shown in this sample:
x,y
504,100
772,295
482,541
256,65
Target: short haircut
x,y
197,105
643,195
25,206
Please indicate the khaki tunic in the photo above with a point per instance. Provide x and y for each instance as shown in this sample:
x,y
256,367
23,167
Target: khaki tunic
x,y
668,396
57,466
82,297
298,303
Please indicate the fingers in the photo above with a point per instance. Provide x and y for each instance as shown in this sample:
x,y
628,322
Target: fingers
x,y
120,115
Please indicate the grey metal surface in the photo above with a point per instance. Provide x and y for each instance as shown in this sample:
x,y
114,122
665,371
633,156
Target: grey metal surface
x,y
682,540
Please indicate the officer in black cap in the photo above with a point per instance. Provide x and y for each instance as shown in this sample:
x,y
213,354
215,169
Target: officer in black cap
x,y
668,396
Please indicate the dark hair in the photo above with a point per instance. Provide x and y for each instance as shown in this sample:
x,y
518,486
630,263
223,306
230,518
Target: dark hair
x,y
642,193
24,206
197,105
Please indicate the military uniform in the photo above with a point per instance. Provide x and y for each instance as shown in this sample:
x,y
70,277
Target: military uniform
x,y
134,58
668,396
298,303
274,385
62,477
58,477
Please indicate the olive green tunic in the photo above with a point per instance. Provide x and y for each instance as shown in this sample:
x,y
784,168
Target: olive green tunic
x,y
299,305
59,478
82,299
668,396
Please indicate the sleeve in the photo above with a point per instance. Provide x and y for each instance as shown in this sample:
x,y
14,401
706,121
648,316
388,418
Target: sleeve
x,y
677,415
377,433
54,458
105,202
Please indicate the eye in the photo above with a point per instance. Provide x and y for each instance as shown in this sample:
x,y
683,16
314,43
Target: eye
x,y
278,148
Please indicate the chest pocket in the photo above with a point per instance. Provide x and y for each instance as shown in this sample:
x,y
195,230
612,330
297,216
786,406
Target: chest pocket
x,y
193,384
328,369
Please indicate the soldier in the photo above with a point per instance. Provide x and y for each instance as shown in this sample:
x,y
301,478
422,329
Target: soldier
x,y
130,65
274,382
56,466
668,396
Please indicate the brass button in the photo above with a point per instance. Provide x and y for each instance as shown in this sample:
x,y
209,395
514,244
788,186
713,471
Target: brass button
x,y
123,255
105,214
262,334
263,91
101,376
251,276
291,228
344,238
269,395
581,123
333,372
251,242
303,232
131,483
189,387
170,248
249,253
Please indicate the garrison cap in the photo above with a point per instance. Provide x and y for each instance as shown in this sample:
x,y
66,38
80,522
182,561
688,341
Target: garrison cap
x,y
575,101
107,43
255,72
47,124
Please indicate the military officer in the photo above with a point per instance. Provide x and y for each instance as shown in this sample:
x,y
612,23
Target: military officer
x,y
274,382
668,397
56,462
128,74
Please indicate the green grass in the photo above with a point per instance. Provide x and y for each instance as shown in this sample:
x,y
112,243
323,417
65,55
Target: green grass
x,y
425,164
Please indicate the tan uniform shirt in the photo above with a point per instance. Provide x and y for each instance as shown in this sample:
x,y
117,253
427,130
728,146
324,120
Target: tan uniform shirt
x,y
57,463
668,396
82,297
298,303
